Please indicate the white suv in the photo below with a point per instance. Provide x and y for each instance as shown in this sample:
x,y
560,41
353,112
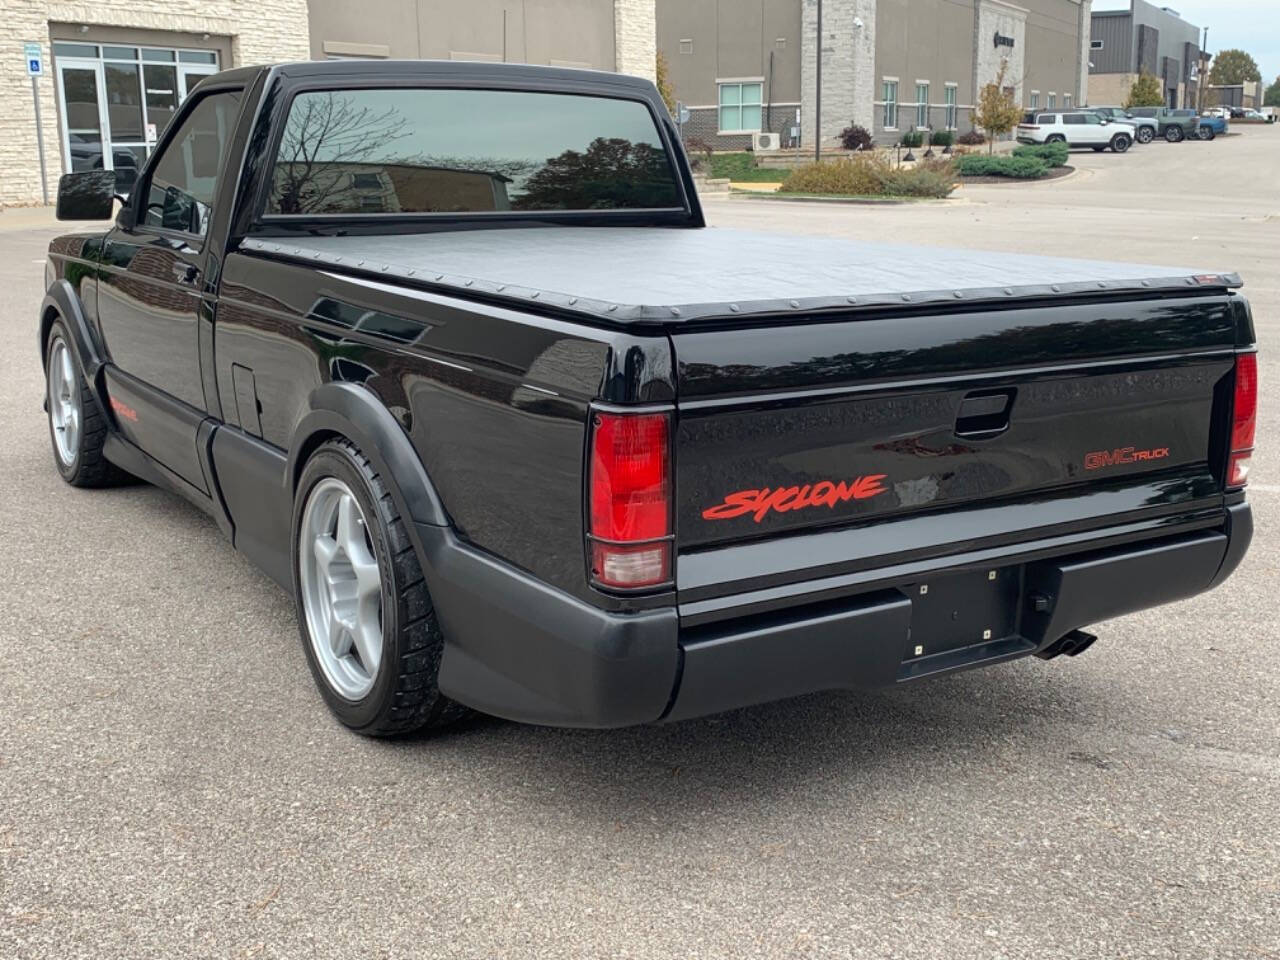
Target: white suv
x,y
1079,128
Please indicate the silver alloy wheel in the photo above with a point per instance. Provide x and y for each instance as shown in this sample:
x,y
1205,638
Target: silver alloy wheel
x,y
341,588
1145,135
64,402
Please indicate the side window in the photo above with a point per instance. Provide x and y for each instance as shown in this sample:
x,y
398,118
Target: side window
x,y
1074,119
1093,118
180,195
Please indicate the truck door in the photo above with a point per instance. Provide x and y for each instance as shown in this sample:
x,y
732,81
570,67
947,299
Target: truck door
x,y
152,292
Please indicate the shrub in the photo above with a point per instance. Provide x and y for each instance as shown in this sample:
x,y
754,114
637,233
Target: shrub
x,y
912,139
942,138
1054,154
854,137
973,138
1001,165
928,178
862,174
872,174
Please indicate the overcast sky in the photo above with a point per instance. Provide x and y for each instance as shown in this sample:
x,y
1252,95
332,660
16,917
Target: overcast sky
x,y
1250,25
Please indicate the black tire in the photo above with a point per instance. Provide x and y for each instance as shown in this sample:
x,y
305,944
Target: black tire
x,y
1145,135
1174,134
1121,142
1205,133
1055,138
405,695
88,467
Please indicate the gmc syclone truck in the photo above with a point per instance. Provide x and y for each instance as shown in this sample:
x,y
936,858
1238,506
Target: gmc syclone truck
x,y
449,352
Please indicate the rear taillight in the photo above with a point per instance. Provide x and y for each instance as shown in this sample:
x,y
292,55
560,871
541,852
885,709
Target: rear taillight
x,y
1244,419
630,499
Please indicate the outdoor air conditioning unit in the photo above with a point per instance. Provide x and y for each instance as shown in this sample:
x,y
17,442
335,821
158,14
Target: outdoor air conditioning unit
x,y
765,142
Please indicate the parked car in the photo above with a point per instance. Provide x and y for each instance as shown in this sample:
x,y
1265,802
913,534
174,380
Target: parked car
x,y
1174,125
1145,129
529,439
1251,114
1210,127
1078,128
1223,112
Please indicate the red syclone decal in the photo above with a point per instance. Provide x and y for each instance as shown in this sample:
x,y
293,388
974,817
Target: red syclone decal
x,y
1122,455
122,410
824,493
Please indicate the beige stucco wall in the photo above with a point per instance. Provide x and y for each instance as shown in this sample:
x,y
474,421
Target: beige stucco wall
x,y
257,32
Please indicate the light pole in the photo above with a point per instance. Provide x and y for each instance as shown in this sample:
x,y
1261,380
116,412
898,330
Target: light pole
x,y
817,100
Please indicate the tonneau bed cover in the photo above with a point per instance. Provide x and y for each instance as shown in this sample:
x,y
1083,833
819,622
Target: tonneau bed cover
x,y
649,275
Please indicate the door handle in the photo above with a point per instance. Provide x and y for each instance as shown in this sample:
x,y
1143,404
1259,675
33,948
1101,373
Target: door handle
x,y
984,414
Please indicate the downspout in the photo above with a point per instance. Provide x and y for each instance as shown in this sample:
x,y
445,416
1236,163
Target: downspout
x,y
768,101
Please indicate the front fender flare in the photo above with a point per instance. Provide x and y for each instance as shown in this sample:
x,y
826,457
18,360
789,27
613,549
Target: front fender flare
x,y
63,301
357,414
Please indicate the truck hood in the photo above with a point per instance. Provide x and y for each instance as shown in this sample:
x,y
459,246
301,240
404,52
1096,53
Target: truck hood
x,y
637,275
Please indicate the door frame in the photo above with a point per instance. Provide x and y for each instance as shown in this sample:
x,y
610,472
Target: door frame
x,y
200,70
104,120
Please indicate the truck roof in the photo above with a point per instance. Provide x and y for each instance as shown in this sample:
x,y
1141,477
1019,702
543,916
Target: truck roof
x,y
666,275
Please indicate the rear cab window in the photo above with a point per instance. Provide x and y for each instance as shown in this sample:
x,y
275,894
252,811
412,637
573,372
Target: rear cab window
x,y
450,151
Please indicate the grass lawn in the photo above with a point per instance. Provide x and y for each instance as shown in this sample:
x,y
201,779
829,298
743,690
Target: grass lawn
x,y
742,167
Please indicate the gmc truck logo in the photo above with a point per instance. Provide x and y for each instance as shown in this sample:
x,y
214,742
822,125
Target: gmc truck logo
x,y
1114,458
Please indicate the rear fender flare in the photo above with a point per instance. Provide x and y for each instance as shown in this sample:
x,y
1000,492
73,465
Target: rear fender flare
x,y
354,412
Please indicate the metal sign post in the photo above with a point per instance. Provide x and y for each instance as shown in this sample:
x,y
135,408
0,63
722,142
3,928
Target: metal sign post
x,y
34,56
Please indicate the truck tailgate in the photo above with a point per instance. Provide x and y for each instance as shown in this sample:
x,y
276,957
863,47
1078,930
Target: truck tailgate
x,y
810,425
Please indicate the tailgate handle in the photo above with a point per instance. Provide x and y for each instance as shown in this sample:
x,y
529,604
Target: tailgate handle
x,y
984,414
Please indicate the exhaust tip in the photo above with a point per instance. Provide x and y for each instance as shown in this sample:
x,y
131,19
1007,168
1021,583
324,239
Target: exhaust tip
x,y
1072,645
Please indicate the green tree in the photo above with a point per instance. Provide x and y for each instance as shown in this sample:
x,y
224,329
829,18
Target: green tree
x,y
1234,66
663,73
997,112
1145,92
1272,97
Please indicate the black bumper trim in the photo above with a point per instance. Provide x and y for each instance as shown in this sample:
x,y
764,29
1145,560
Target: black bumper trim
x,y
519,649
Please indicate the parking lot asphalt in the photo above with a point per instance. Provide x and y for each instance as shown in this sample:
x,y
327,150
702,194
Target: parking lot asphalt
x,y
171,785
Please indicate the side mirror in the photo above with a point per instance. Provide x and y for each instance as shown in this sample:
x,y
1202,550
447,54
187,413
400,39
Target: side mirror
x,y
86,195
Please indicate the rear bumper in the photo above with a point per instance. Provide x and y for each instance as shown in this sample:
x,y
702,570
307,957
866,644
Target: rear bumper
x,y
519,649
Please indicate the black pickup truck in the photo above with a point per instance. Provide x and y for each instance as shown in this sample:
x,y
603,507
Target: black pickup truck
x,y
447,350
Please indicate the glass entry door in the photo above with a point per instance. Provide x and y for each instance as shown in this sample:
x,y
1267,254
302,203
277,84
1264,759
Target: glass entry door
x,y
84,115
117,99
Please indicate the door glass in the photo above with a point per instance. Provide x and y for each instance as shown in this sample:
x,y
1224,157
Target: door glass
x,y
84,129
124,101
160,85
128,163
182,184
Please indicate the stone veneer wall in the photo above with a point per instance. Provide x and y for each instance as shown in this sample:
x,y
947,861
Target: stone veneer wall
x,y
848,67
635,34
262,31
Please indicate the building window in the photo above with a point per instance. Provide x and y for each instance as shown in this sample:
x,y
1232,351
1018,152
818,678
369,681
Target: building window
x,y
922,104
1052,102
1035,99
686,46
1066,101
890,104
950,92
780,43
740,107
1095,44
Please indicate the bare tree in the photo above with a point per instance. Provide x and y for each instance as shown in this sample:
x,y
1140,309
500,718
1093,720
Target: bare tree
x,y
324,133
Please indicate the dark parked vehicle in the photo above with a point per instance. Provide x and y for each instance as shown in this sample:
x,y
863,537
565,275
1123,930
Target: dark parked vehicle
x,y
1145,129
1174,125
448,351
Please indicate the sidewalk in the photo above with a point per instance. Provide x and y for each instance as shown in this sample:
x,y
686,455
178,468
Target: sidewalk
x,y
41,218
